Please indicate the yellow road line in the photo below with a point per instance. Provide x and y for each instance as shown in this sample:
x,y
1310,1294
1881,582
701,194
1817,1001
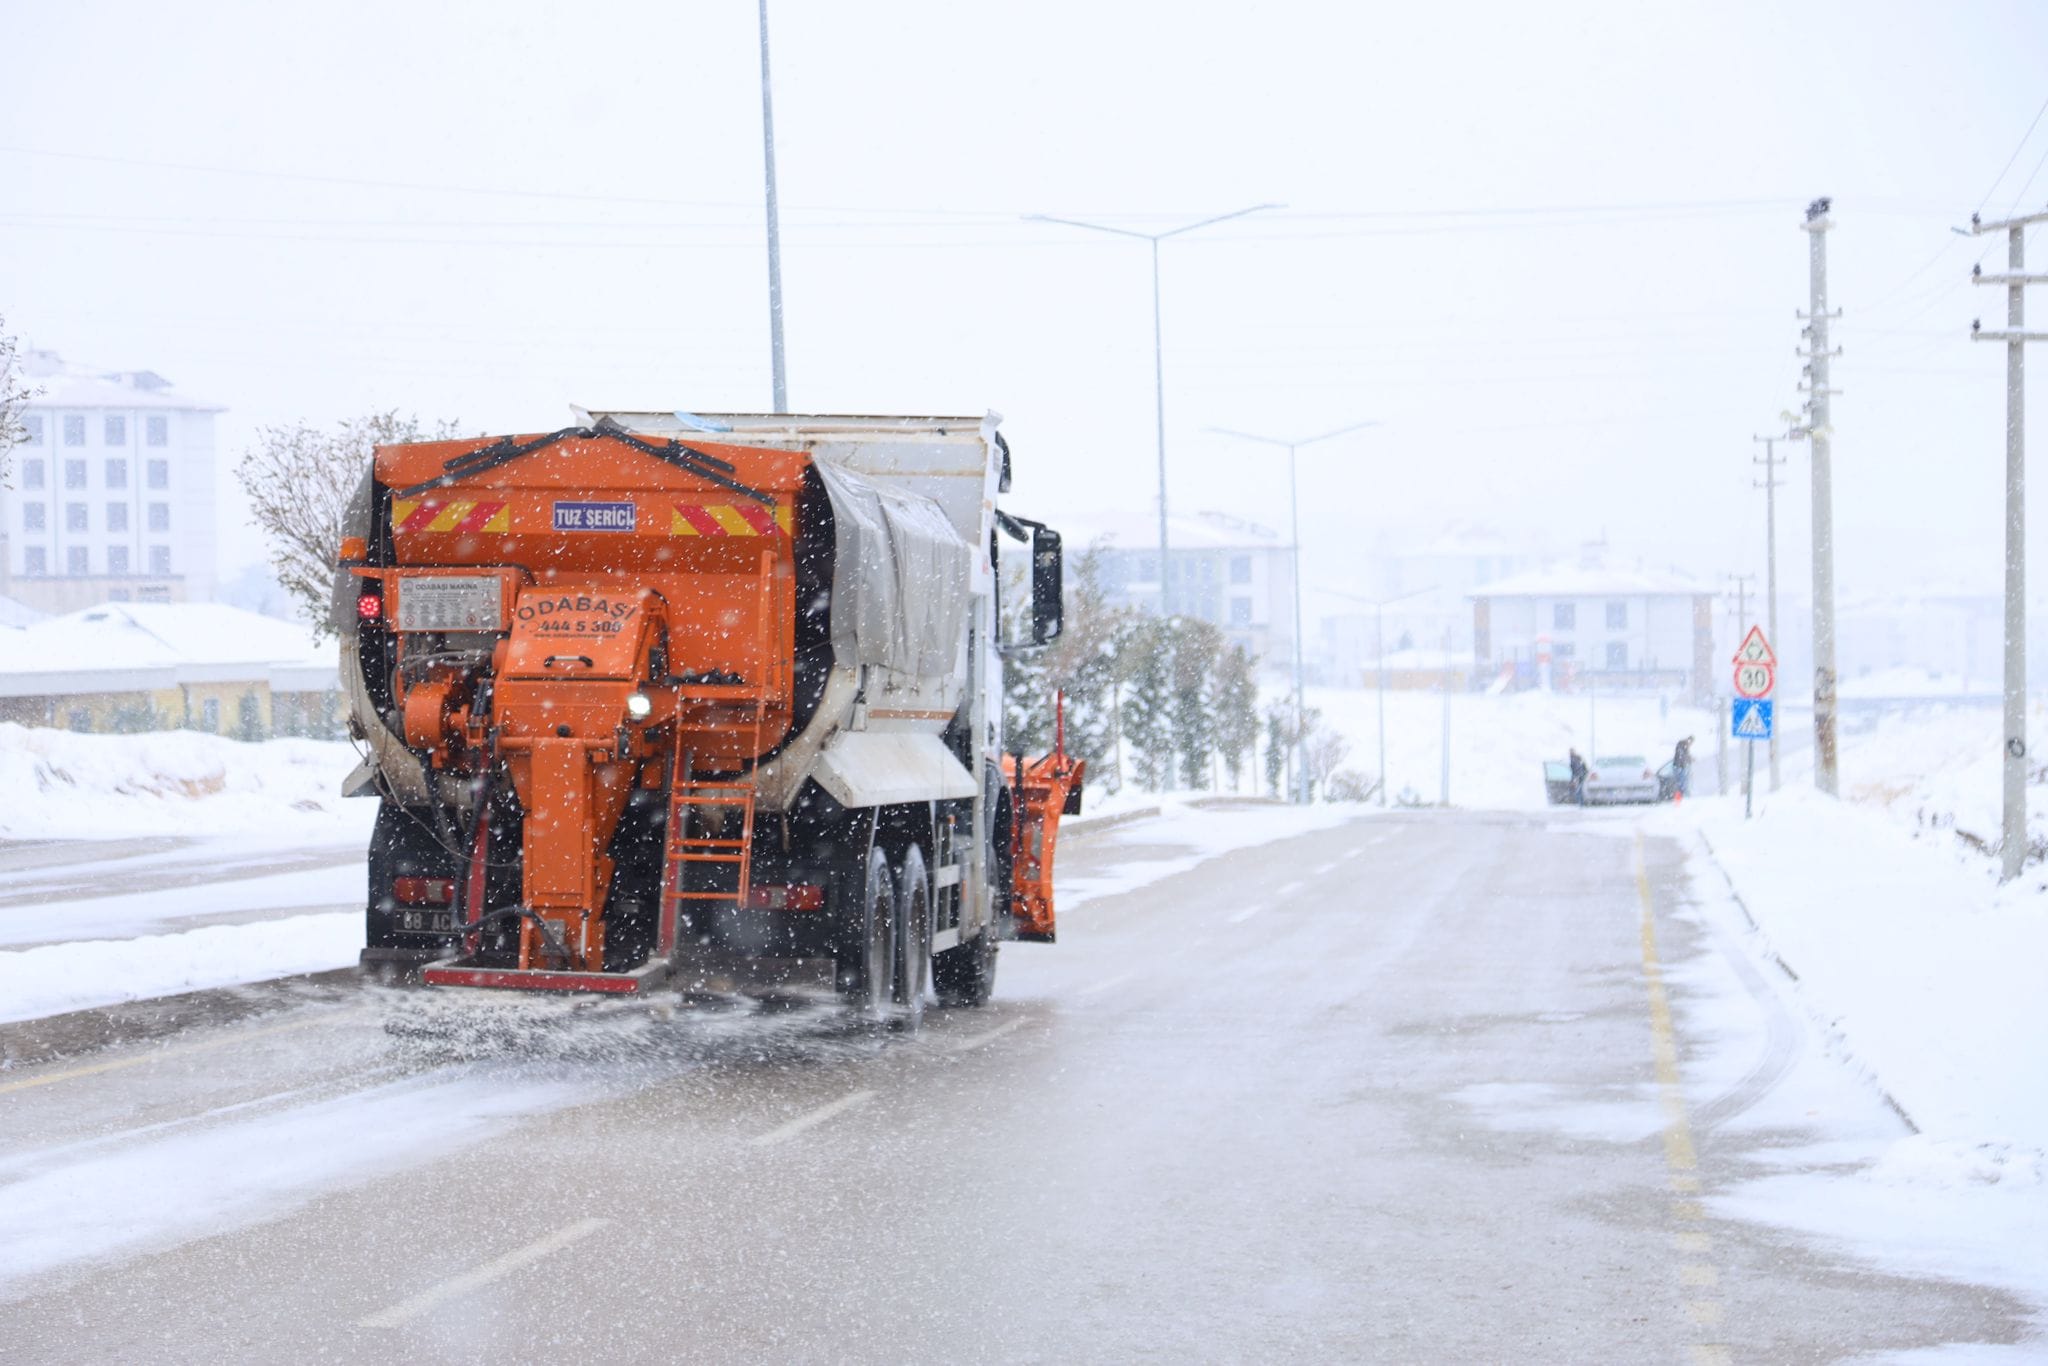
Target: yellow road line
x,y
159,1055
1681,1158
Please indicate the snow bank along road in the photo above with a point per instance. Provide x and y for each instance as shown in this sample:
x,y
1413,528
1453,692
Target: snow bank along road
x,y
1429,1086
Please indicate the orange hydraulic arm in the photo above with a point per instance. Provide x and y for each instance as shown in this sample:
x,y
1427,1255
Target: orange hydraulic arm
x,y
1042,790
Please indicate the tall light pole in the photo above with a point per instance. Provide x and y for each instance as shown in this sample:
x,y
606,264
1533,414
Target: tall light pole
x,y
1158,365
1294,532
778,376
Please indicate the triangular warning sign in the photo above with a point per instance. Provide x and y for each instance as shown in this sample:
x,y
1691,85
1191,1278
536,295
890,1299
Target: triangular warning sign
x,y
1756,649
1752,723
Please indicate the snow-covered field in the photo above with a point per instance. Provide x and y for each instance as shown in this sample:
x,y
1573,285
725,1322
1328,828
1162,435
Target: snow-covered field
x,y
59,785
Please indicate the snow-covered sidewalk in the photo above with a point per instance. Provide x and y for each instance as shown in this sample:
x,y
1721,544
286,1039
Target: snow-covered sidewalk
x,y
1926,972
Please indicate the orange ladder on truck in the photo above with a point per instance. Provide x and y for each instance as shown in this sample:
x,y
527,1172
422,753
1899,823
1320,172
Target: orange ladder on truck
x,y
718,852
688,797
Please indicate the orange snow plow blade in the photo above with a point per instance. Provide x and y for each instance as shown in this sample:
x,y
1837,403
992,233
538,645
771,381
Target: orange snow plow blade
x,y
1047,789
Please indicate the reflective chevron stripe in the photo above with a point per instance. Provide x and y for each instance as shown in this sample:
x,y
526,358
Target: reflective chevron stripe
x,y
458,515
728,519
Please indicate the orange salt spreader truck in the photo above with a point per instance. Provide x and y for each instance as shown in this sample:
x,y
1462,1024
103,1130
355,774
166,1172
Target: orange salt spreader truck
x,y
663,699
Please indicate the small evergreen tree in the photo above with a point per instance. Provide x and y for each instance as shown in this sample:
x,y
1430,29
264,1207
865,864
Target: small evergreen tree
x,y
1237,710
1196,645
1276,747
1084,659
1148,710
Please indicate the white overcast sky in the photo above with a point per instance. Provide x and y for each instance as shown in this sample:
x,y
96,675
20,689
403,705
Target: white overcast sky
x,y
1554,248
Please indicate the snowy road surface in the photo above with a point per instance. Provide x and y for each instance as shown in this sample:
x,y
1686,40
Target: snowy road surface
x,y
1411,1087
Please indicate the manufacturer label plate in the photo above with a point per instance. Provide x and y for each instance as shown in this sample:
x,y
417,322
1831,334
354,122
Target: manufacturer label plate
x,y
450,603
595,516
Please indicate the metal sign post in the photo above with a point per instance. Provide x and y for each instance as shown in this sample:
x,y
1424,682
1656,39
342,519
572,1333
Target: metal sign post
x,y
1752,716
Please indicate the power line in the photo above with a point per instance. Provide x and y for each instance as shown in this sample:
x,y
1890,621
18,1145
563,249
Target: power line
x,y
2020,147
2029,183
985,215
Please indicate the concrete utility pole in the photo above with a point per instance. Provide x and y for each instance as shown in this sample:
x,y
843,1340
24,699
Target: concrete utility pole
x,y
1770,484
1294,533
1158,364
1742,583
1821,433
779,379
2013,841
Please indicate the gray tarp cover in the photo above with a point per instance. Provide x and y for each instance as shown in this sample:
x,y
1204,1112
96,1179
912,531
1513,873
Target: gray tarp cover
x,y
900,578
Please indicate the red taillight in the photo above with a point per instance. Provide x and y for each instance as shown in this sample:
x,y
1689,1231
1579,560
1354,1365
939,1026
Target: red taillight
x,y
801,896
370,606
422,891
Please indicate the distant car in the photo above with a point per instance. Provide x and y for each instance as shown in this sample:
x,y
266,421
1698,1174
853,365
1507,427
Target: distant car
x,y
1615,780
1620,778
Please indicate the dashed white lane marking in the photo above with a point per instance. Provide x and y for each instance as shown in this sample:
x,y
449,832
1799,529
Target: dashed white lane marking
x,y
986,1036
406,1310
1106,984
812,1119
1283,890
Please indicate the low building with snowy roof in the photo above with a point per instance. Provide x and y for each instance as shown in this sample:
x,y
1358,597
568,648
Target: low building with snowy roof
x,y
1232,573
161,666
1604,627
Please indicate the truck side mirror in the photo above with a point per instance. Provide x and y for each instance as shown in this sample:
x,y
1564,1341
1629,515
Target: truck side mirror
x,y
1048,586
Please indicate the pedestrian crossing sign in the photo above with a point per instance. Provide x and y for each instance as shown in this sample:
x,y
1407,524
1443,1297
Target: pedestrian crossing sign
x,y
1752,718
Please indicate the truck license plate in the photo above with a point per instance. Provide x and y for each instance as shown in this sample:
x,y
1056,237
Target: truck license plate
x,y
426,922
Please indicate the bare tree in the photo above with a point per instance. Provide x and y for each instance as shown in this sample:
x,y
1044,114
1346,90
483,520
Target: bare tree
x,y
15,394
1323,752
299,479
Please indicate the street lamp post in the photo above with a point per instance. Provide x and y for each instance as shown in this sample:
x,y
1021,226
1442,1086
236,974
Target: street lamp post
x,y
1379,636
778,376
1158,364
1294,532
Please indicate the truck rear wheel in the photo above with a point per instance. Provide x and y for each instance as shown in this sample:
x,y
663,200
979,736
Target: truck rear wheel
x,y
867,961
913,941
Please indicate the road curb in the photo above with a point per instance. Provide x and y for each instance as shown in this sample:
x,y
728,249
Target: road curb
x,y
1088,825
79,1033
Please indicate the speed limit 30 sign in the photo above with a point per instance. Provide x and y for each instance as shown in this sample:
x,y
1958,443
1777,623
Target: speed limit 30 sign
x,y
1756,665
